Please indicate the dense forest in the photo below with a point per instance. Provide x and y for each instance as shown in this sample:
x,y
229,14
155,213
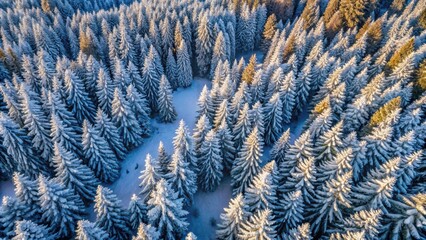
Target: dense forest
x,y
81,82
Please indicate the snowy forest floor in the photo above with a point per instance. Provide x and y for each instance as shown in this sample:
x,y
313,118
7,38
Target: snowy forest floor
x,y
205,212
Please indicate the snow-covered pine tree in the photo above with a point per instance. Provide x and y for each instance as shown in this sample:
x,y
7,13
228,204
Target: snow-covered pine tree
x,y
184,69
29,230
211,168
330,203
273,111
125,121
166,211
163,159
246,28
256,117
329,144
258,226
104,90
220,52
26,192
140,108
146,232
199,133
165,101
184,144
171,70
222,114
61,208
11,211
87,230
149,177
181,177
137,212
280,148
247,165
405,218
35,122
77,98
268,32
261,194
303,87
17,144
289,211
204,44
232,218
226,143
109,132
65,127
109,214
302,231
72,173
205,104
98,155
151,78
288,96
242,127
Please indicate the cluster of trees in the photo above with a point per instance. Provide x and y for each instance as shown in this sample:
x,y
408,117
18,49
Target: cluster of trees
x,y
81,80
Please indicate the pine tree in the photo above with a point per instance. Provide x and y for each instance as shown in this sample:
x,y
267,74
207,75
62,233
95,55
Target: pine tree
x,y
110,216
184,144
149,177
353,11
137,212
17,144
78,99
125,121
232,219
11,211
205,104
72,173
65,128
302,232
380,115
163,160
26,192
378,145
400,55
98,155
31,231
36,123
222,114
288,95
204,44
166,211
280,148
331,201
289,212
200,131
171,70
61,208
184,70
249,71
104,90
211,170
89,231
220,52
258,226
247,165
268,32
146,232
226,145
181,177
165,101
242,127
329,144
273,120
261,194
405,218
303,87
246,27
151,78
366,221
140,108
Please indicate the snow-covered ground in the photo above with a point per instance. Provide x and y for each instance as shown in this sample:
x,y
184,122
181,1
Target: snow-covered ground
x,y
185,101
